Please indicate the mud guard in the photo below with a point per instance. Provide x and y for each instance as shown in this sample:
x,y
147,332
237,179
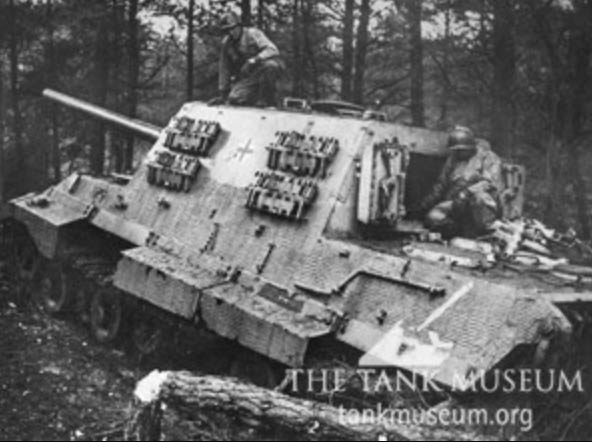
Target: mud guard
x,y
46,216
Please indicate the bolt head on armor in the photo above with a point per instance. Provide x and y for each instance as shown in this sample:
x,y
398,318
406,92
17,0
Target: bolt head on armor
x,y
462,138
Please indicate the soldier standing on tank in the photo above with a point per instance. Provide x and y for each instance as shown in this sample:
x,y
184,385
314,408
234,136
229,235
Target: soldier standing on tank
x,y
465,198
250,65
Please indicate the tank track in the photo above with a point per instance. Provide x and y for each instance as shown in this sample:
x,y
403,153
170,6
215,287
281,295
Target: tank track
x,y
93,266
325,353
90,268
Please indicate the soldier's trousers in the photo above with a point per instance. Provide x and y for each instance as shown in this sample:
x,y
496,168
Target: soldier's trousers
x,y
471,216
259,86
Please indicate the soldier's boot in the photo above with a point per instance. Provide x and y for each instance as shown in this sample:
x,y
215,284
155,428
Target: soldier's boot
x,y
483,211
242,94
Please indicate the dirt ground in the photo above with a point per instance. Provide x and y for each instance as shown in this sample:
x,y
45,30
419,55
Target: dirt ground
x,y
57,384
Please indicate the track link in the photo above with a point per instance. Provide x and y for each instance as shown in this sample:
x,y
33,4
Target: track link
x,y
94,267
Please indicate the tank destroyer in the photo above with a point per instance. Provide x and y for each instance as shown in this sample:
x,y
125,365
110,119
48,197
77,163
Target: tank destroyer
x,y
279,229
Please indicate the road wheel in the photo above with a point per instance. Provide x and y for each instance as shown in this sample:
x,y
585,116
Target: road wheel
x,y
53,291
26,262
81,291
106,314
148,334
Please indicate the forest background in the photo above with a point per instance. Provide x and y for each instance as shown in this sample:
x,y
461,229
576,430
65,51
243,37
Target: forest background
x,y
517,72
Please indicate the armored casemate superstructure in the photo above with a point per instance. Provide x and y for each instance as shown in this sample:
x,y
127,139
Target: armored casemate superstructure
x,y
276,229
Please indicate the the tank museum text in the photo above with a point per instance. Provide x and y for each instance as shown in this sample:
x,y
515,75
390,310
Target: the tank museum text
x,y
374,380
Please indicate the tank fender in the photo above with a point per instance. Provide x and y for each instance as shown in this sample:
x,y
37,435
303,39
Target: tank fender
x,y
46,216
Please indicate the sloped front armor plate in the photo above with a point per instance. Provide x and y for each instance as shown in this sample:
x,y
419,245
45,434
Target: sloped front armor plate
x,y
252,314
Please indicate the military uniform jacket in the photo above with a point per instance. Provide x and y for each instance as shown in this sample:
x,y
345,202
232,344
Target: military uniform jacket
x,y
253,43
483,171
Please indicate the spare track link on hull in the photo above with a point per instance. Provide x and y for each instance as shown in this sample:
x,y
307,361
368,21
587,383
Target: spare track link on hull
x,y
92,266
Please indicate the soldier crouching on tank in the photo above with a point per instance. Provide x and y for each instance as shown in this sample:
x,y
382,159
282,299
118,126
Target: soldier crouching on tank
x,y
464,200
249,59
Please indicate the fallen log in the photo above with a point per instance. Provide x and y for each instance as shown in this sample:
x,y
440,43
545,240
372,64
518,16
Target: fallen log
x,y
183,406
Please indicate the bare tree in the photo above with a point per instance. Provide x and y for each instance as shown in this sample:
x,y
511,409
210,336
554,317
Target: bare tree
x,y
116,54
348,51
297,67
579,57
361,51
101,89
416,61
17,126
308,52
53,108
569,59
190,33
246,12
2,115
504,59
445,97
260,13
133,76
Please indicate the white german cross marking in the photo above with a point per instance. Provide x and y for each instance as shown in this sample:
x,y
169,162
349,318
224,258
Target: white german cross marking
x,y
242,151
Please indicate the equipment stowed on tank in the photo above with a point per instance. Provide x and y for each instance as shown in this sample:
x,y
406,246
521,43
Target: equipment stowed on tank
x,y
279,230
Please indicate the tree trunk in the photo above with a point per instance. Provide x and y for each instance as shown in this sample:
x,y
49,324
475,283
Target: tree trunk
x,y
579,186
361,51
445,97
504,59
246,12
580,49
101,84
189,407
552,180
118,18
261,13
2,154
416,61
555,110
190,24
133,77
17,126
52,109
308,54
297,62
348,51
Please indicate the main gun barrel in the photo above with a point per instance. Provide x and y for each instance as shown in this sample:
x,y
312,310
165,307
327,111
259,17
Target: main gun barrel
x,y
141,128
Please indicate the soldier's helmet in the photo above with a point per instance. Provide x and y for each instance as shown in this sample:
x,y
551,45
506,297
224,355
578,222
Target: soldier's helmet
x,y
462,138
229,20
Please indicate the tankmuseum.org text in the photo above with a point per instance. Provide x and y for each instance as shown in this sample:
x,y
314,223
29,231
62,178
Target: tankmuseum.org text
x,y
522,418
376,380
